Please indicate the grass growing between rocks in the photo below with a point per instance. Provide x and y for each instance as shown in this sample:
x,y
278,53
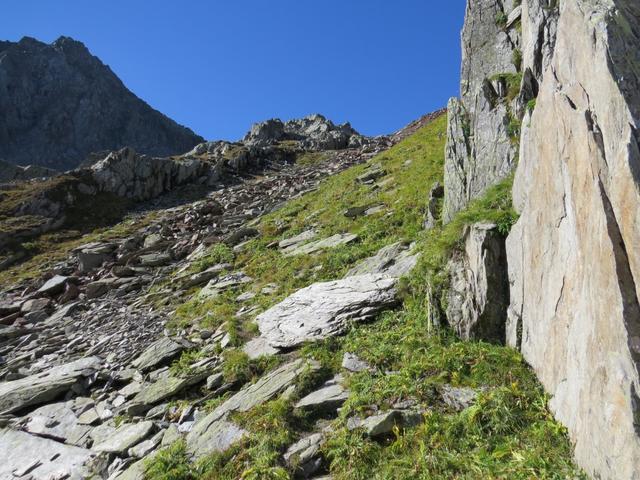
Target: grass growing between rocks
x,y
507,433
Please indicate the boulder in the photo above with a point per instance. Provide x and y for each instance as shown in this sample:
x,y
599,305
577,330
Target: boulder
x,y
353,363
45,386
458,398
36,458
478,295
54,285
327,309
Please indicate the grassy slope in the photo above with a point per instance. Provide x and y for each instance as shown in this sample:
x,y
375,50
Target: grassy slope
x,y
509,433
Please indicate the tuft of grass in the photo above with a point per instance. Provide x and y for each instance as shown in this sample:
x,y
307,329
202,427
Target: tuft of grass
x,y
171,463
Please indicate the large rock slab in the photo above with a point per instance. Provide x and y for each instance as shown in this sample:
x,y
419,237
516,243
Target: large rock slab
x,y
478,295
36,458
319,245
327,309
205,431
574,261
45,386
159,352
125,437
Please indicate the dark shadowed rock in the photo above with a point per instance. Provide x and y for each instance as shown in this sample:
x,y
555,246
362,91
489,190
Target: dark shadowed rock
x,y
55,112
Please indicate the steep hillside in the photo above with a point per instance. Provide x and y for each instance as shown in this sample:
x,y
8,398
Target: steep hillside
x,y
59,104
214,341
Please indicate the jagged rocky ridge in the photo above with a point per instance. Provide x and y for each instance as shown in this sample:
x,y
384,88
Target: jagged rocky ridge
x,y
60,104
556,84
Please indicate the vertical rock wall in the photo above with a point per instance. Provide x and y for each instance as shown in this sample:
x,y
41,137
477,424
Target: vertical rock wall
x,y
574,255
480,147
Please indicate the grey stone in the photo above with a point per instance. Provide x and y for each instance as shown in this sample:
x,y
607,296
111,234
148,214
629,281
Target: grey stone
x,y
54,285
319,245
125,437
298,239
171,435
56,421
155,259
478,296
258,347
326,309
219,437
205,432
329,397
160,352
353,363
304,456
45,386
458,398
145,447
394,260
40,458
218,285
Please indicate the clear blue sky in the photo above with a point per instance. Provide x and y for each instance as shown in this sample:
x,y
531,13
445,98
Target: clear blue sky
x,y
218,66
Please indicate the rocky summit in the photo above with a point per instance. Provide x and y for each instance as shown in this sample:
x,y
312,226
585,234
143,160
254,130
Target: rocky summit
x,y
458,299
60,104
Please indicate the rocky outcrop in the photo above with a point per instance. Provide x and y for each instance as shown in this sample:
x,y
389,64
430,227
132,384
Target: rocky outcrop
x,y
323,310
314,132
478,295
574,263
59,103
15,173
482,129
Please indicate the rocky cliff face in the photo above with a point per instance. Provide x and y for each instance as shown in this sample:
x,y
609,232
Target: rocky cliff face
x,y
59,103
481,148
573,108
573,256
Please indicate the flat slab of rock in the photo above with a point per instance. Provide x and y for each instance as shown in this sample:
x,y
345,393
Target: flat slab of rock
x,y
159,352
219,437
325,243
323,310
265,389
45,386
165,387
304,456
394,260
458,398
329,397
125,437
298,239
57,421
30,457
353,363
219,285
54,285
258,347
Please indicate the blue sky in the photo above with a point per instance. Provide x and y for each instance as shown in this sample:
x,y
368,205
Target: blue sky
x,y
219,66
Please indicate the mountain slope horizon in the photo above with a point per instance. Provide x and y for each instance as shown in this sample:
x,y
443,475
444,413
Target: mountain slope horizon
x,y
61,104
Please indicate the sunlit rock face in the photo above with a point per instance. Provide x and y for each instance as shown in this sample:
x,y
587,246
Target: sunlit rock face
x,y
574,257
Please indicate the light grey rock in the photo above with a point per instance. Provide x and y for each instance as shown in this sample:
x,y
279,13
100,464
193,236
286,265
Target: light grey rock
x,y
371,175
326,309
303,237
435,195
329,397
478,294
196,279
171,435
376,425
354,364
155,259
319,245
219,437
125,437
205,432
40,458
160,352
573,258
479,149
458,398
54,285
57,421
394,260
145,447
218,285
45,386
258,347
164,387
304,456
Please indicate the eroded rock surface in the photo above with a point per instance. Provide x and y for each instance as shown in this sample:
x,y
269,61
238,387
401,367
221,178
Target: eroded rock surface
x,y
574,262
